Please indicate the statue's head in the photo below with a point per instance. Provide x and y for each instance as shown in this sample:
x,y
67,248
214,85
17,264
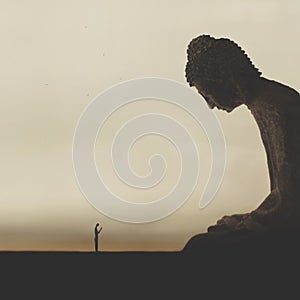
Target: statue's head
x,y
221,72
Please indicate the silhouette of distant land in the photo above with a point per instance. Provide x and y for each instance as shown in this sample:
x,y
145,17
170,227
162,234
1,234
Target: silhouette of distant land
x,y
217,264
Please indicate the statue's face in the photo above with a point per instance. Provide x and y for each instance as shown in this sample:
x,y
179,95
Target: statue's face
x,y
218,97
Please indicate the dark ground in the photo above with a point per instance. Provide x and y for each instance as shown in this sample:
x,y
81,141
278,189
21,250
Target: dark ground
x,y
266,265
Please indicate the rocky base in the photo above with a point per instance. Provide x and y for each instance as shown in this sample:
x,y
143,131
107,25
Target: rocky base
x,y
270,242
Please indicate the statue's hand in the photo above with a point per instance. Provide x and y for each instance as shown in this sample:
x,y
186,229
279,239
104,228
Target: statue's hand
x,y
227,223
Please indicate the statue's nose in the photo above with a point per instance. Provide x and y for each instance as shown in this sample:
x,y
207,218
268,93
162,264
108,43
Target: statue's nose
x,y
210,103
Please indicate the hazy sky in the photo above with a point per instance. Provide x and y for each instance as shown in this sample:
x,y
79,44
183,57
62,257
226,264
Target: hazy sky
x,y
56,56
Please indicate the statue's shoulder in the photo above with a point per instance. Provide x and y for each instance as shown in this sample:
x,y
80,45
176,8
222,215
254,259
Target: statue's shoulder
x,y
275,91
273,86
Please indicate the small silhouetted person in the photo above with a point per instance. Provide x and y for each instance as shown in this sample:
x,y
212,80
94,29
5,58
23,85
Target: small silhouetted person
x,y
96,236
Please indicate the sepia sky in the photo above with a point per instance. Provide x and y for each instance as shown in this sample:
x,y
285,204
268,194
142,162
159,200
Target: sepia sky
x,y
57,56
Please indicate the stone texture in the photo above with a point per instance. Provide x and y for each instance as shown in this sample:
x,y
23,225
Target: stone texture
x,y
224,75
